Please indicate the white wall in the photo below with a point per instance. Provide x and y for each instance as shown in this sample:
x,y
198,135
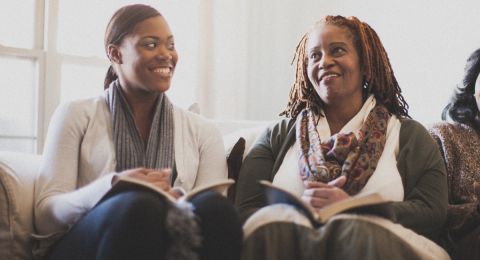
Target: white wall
x,y
427,42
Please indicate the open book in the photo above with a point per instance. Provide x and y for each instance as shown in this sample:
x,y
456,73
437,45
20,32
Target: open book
x,y
368,203
128,183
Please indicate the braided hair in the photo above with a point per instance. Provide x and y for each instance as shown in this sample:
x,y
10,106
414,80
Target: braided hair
x,y
373,59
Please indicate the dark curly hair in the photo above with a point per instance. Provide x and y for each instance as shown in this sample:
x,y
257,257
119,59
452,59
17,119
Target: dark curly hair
x,y
373,59
462,107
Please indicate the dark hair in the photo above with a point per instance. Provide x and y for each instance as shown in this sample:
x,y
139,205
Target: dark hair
x,y
462,107
121,24
373,60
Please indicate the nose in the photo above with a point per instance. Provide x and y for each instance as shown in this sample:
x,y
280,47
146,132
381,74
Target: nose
x,y
164,53
326,61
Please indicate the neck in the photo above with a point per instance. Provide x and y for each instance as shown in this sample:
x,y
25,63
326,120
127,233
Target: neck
x,y
338,115
142,105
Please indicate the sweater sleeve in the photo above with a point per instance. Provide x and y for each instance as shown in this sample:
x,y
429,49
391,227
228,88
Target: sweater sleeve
x,y
58,202
420,164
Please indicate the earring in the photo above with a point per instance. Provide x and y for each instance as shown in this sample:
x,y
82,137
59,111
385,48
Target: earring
x,y
365,85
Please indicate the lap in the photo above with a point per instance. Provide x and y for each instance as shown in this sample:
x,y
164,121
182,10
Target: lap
x,y
366,237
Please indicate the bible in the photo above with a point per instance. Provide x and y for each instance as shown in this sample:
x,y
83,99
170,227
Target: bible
x,y
128,183
368,203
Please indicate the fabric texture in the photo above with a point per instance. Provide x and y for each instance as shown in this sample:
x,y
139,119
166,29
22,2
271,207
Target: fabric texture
x,y
17,175
459,144
343,237
130,149
79,160
343,154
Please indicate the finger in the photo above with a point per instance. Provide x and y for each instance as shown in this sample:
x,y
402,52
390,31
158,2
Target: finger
x,y
162,172
315,184
317,192
165,186
317,203
338,182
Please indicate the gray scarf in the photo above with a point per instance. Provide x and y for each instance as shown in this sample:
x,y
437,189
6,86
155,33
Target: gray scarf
x,y
159,153
130,150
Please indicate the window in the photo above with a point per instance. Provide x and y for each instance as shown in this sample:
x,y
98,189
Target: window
x,y
52,52
21,59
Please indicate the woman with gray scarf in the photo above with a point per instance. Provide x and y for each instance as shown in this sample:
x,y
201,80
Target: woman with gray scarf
x,y
133,130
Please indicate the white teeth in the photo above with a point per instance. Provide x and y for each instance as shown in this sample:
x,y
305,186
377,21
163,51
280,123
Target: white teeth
x,y
162,71
330,76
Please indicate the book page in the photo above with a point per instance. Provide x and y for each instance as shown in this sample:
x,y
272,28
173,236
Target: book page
x,y
125,183
276,194
359,200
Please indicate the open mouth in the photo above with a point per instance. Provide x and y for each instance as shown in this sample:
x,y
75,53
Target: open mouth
x,y
163,71
328,76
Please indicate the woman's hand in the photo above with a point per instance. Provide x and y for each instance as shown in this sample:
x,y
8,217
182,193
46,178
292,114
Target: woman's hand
x,y
159,178
319,194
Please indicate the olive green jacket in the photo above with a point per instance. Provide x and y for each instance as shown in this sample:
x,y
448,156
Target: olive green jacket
x,y
419,162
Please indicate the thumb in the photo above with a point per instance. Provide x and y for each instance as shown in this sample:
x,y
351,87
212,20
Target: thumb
x,y
338,182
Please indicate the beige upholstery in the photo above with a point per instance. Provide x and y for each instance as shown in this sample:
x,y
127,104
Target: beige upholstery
x,y
17,176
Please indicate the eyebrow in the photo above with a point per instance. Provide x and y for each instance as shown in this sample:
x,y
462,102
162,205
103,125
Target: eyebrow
x,y
315,48
157,38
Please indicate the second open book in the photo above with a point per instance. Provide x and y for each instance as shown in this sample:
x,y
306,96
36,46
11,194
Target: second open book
x,y
367,203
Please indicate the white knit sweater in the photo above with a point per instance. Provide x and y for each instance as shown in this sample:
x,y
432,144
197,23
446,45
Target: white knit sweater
x,y
79,160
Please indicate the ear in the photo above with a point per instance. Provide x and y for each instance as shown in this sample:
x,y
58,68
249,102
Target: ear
x,y
114,54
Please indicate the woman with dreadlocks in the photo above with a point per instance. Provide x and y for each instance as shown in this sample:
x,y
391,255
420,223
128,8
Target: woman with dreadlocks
x,y
347,132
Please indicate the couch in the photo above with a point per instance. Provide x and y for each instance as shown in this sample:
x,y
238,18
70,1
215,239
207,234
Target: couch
x,y
18,172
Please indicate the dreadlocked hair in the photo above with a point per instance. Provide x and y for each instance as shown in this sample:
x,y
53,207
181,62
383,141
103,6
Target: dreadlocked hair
x,y
373,60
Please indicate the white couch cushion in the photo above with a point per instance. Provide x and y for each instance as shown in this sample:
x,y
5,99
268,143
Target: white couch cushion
x,y
17,176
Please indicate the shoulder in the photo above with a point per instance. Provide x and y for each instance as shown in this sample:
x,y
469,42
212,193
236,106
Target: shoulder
x,y
448,130
414,136
78,111
281,128
411,128
275,137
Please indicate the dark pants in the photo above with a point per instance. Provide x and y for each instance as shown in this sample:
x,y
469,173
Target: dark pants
x,y
131,225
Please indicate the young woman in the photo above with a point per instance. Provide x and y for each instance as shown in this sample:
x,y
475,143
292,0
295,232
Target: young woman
x,y
133,130
347,132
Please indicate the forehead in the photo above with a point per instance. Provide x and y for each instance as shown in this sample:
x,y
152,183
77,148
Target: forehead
x,y
327,34
155,26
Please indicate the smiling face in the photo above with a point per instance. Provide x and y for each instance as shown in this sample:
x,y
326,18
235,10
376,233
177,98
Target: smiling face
x,y
334,65
145,60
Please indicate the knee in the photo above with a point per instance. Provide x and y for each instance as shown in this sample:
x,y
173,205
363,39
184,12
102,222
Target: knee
x,y
212,205
132,208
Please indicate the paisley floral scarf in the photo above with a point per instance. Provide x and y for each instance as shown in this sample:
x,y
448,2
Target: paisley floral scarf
x,y
353,155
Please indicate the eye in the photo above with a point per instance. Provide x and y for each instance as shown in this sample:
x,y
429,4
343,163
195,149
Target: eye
x,y
315,56
171,46
338,51
151,45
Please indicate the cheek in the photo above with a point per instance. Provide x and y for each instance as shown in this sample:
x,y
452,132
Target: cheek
x,y
175,57
312,72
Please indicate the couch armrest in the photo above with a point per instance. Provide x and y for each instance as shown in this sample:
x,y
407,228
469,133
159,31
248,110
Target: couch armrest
x,y
17,176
